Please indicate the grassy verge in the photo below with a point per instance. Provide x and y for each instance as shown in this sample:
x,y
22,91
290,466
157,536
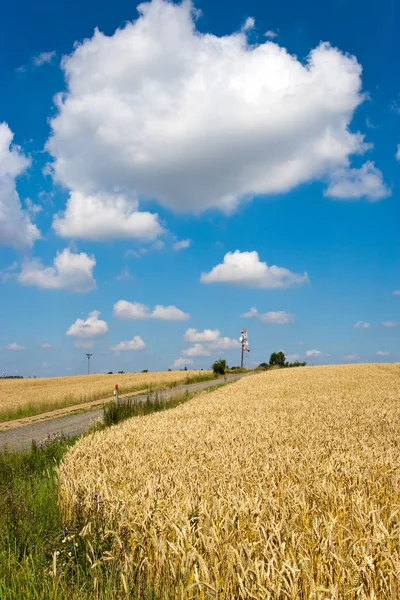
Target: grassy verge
x,y
43,557
34,409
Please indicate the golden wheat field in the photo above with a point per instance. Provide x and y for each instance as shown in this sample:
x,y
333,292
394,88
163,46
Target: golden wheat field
x,y
33,396
283,485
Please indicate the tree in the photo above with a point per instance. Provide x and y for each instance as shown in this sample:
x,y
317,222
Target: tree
x,y
219,367
145,371
277,359
263,365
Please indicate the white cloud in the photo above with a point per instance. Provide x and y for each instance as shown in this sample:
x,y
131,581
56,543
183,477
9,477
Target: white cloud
x,y
313,353
292,357
224,343
45,345
72,272
382,353
396,293
245,268
398,152
390,323
45,365
270,34
135,310
351,184
248,24
125,275
196,350
14,346
84,344
100,216
195,120
278,318
181,362
169,313
92,327
351,357
362,325
182,244
16,227
208,335
136,343
43,58
9,272
32,208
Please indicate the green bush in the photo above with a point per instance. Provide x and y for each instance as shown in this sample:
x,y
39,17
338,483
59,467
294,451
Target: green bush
x,y
219,367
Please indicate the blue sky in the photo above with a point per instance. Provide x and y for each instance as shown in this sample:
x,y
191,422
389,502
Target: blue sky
x,y
185,164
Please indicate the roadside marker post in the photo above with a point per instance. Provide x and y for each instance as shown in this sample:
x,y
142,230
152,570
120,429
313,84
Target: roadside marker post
x,y
116,393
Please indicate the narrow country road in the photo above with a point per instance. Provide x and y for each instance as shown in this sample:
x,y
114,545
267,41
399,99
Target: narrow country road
x,y
21,438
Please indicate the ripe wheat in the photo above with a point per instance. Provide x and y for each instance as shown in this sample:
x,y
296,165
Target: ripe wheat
x,y
21,397
283,485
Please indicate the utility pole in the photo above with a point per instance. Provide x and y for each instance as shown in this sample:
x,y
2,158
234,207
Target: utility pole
x,y
88,362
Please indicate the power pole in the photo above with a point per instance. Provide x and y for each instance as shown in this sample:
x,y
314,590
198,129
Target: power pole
x,y
88,362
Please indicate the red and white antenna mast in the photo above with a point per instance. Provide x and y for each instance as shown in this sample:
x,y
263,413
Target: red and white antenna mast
x,y
244,340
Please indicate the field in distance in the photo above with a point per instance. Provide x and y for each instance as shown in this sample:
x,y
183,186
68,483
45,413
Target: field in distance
x,y
26,397
285,484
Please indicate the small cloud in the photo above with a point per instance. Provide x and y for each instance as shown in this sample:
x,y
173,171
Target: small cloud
x,y
196,350
353,184
136,310
158,245
248,24
125,275
277,318
71,272
351,357
362,325
246,269
136,253
45,345
136,343
369,124
32,208
224,343
208,335
182,244
390,323
181,362
44,58
382,353
270,34
45,365
292,357
84,344
396,293
92,327
14,346
313,353
9,272
398,152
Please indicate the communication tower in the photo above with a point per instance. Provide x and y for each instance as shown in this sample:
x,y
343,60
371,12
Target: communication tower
x,y
244,340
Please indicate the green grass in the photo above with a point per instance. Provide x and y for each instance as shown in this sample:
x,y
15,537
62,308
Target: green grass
x,y
35,408
44,557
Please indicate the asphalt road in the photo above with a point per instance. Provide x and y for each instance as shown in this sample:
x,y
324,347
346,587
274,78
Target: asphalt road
x,y
21,438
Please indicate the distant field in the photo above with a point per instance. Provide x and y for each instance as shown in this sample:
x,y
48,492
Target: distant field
x,y
282,485
24,397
